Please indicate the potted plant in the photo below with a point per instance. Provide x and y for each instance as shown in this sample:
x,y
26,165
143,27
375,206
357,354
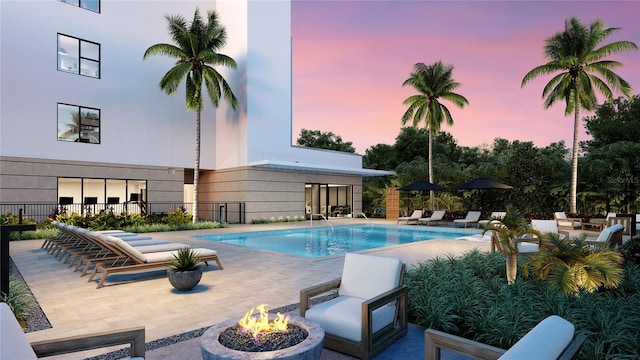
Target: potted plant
x,y
184,272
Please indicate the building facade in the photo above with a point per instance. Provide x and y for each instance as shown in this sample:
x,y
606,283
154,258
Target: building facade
x,y
83,121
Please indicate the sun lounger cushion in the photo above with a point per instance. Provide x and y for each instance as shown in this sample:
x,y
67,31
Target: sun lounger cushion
x,y
547,340
160,247
163,256
133,241
13,342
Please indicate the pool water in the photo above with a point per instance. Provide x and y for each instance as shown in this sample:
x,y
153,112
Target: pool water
x,y
326,241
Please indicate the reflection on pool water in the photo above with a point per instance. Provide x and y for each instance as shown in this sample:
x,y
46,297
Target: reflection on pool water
x,y
324,241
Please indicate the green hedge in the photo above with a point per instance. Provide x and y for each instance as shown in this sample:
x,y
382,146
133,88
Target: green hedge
x,y
468,296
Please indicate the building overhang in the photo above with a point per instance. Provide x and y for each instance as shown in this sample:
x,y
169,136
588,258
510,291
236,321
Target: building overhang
x,y
299,166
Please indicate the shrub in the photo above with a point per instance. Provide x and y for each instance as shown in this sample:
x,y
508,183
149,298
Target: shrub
x,y
469,296
631,250
20,299
178,217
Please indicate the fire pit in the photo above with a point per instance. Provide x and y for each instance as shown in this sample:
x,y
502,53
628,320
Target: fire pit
x,y
280,337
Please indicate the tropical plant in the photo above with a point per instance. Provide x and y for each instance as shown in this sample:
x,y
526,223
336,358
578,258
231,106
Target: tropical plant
x,y
574,266
575,53
196,46
433,82
631,250
324,140
20,300
507,231
185,259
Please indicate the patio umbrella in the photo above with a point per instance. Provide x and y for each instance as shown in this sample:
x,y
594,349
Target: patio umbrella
x,y
421,186
482,183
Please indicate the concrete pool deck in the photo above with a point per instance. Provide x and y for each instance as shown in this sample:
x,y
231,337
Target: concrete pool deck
x,y
250,277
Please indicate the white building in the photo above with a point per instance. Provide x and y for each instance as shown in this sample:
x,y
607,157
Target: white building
x,y
61,59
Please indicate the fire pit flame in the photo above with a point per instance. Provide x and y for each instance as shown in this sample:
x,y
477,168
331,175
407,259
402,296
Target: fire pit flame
x,y
257,325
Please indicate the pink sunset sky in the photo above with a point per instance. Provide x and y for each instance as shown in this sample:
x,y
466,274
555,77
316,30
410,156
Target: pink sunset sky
x,y
350,59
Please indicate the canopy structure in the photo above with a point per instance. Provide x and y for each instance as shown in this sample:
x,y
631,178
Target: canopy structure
x,y
421,185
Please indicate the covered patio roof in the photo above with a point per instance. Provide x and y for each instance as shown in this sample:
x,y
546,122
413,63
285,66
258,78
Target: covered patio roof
x,y
299,166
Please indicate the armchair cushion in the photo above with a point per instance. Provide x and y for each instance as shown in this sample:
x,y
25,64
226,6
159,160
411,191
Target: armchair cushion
x,y
366,276
342,316
13,342
547,340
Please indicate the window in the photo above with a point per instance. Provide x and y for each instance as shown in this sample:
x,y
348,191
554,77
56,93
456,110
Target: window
x,y
78,56
92,5
92,195
78,124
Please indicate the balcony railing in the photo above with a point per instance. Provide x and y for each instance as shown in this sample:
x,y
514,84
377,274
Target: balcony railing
x,y
229,212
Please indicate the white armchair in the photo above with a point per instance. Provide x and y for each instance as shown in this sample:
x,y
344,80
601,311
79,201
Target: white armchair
x,y
370,312
14,343
552,338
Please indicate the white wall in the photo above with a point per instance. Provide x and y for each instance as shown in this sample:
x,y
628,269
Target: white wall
x,y
139,123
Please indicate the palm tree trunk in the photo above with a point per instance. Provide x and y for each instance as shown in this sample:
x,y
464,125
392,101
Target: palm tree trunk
x,y
512,268
196,169
574,158
432,199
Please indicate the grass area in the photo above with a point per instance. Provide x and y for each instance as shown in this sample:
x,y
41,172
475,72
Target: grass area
x,y
469,296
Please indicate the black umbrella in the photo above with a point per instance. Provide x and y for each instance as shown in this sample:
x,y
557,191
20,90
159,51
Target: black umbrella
x,y
421,186
482,183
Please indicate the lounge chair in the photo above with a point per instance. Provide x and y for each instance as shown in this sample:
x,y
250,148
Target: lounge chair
x,y
472,218
132,260
436,217
610,237
15,345
370,312
494,215
414,217
567,223
552,338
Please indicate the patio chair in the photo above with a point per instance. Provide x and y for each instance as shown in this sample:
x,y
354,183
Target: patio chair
x,y
610,237
370,312
436,217
15,345
472,218
132,260
625,221
552,338
414,217
494,215
567,223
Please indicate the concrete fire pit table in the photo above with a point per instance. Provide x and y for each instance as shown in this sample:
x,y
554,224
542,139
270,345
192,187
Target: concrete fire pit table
x,y
309,349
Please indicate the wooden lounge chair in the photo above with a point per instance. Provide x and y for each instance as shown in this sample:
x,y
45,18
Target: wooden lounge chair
x,y
370,312
494,216
414,217
15,345
472,218
436,217
132,260
552,338
567,223
107,253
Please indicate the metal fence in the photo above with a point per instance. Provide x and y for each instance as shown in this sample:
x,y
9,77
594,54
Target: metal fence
x,y
229,212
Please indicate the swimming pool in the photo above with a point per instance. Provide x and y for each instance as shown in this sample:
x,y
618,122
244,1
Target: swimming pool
x,y
324,241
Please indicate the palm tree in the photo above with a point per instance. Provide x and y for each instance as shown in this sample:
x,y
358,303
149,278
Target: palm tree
x,y
507,232
196,46
573,265
574,53
432,83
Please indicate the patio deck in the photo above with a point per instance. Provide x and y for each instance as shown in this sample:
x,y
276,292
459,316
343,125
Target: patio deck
x,y
250,277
